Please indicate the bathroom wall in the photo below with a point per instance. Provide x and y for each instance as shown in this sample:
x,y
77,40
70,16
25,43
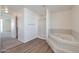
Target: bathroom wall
x,y
6,22
75,21
48,20
75,18
21,26
6,25
1,29
13,26
28,27
42,27
61,21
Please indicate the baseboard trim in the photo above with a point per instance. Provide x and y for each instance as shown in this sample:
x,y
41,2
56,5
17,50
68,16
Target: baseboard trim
x,y
42,37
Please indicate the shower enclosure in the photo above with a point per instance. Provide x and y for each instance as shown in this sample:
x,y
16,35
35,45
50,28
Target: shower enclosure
x,y
5,28
7,31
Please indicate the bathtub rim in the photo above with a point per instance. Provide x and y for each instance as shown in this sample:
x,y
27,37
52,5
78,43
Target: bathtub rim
x,y
51,36
56,49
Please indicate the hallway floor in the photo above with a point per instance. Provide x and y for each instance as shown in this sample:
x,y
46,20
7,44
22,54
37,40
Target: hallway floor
x,y
6,41
10,42
33,46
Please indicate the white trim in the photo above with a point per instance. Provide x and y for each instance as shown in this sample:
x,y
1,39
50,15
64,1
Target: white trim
x,y
42,36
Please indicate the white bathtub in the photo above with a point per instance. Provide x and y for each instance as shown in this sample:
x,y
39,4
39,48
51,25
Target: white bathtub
x,y
61,43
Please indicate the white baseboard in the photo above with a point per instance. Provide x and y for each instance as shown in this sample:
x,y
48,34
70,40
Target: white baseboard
x,y
42,37
24,41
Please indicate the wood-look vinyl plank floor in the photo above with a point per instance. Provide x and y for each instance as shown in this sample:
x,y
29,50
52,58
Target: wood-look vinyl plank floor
x,y
34,46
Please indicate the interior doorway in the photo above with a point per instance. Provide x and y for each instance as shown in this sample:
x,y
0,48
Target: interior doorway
x,y
16,27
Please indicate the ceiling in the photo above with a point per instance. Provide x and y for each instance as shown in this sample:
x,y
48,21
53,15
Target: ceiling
x,y
53,8
38,8
56,8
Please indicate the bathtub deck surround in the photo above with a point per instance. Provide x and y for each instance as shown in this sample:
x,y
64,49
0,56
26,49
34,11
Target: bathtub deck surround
x,y
63,42
76,35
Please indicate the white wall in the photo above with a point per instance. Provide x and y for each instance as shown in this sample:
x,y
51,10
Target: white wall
x,y
30,25
21,26
13,27
75,21
7,25
1,25
48,20
27,25
6,22
61,20
42,27
75,18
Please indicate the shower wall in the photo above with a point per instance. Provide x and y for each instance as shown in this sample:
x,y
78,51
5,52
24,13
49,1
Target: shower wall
x,y
6,22
27,25
61,21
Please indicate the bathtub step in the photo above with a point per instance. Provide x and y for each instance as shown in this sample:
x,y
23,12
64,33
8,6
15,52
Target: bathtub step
x,y
57,49
60,49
